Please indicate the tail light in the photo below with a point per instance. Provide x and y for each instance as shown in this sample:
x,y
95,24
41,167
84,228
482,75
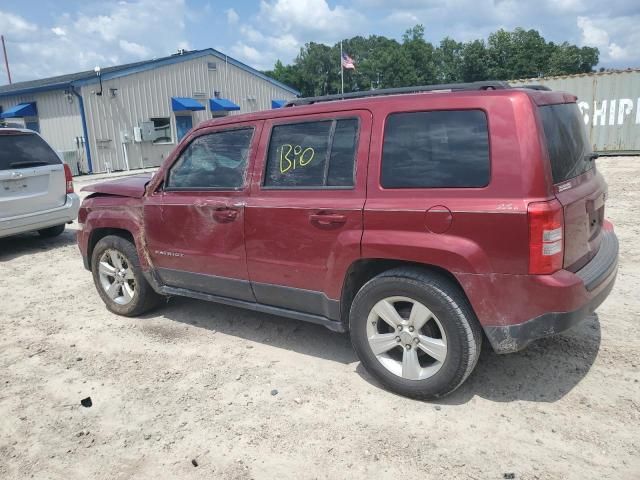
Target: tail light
x,y
546,232
68,177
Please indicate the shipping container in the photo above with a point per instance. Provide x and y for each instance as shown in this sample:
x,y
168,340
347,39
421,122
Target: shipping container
x,y
610,104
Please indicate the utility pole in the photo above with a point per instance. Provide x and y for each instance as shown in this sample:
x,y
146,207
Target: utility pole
x,y
6,60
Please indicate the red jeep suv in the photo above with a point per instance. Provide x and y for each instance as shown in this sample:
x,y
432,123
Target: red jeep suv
x,y
416,219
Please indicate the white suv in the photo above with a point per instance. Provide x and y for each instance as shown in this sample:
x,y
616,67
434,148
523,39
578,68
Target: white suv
x,y
36,187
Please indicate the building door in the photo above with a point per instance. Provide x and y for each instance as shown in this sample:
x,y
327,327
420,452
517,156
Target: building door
x,y
194,222
184,123
304,214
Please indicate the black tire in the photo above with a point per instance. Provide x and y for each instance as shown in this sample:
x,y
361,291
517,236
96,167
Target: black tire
x,y
447,302
51,231
144,298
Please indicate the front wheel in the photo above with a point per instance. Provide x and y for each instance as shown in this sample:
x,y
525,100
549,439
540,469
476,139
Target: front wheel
x,y
119,279
415,332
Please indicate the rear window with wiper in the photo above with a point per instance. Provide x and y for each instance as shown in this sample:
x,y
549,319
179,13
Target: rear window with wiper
x,y
25,150
569,150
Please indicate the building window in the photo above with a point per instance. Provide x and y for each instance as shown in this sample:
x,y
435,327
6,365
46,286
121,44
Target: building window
x,y
312,154
212,65
436,149
162,130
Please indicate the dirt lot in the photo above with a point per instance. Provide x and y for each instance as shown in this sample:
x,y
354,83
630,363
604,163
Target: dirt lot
x,y
196,382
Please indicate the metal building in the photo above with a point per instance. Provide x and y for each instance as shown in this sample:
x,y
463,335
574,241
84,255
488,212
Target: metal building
x,y
131,116
610,104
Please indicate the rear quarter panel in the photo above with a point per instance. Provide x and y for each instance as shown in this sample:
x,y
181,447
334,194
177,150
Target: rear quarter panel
x,y
488,232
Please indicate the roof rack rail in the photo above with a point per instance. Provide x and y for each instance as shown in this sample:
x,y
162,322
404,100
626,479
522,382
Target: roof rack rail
x,y
536,87
447,87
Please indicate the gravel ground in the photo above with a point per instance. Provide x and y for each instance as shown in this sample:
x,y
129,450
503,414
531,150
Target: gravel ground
x,y
198,390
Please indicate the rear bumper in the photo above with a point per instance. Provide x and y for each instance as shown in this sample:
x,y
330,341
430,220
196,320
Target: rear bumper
x,y
515,310
511,338
42,219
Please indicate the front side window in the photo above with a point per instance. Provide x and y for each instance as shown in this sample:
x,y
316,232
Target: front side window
x,y
215,160
437,149
312,154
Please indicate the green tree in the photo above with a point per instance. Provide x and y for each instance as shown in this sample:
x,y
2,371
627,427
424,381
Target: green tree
x,y
475,61
568,59
383,62
287,74
450,61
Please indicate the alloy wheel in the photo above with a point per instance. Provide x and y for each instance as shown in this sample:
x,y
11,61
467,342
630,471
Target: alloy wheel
x,y
406,338
116,276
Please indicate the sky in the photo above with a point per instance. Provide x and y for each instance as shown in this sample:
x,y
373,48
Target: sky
x,y
53,37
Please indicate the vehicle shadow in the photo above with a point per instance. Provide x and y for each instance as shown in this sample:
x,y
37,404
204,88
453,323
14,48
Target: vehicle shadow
x,y
301,337
29,243
544,372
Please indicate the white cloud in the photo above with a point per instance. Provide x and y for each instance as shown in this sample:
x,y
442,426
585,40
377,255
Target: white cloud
x,y
591,34
310,16
244,51
250,34
281,27
404,18
122,31
15,24
232,16
567,5
135,49
616,38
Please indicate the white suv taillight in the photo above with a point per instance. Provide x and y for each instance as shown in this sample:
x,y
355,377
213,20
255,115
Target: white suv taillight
x,y
68,177
546,232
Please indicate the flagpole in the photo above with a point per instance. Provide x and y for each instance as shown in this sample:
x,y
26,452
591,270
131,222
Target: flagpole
x,y
341,69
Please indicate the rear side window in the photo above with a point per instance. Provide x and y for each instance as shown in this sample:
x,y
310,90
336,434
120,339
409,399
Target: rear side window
x,y
312,154
437,149
25,150
215,160
567,142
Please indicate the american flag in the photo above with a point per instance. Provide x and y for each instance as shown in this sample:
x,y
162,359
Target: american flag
x,y
347,62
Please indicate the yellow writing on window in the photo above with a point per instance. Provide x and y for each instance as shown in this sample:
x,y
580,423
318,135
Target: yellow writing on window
x,y
294,156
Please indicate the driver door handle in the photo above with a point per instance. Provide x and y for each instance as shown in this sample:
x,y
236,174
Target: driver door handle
x,y
328,219
225,214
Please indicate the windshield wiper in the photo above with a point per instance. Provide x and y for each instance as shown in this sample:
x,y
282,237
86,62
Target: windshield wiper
x,y
33,163
591,156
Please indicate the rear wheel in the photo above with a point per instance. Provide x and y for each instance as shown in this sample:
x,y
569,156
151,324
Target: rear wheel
x,y
415,332
51,231
119,279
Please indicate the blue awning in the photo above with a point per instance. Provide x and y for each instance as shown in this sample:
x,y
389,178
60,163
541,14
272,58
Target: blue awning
x,y
180,104
222,105
21,110
278,103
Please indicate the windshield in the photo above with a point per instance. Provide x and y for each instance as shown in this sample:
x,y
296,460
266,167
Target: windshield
x,y
569,150
24,150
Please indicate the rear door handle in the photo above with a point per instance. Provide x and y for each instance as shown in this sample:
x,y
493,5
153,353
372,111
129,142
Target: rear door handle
x,y
327,219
